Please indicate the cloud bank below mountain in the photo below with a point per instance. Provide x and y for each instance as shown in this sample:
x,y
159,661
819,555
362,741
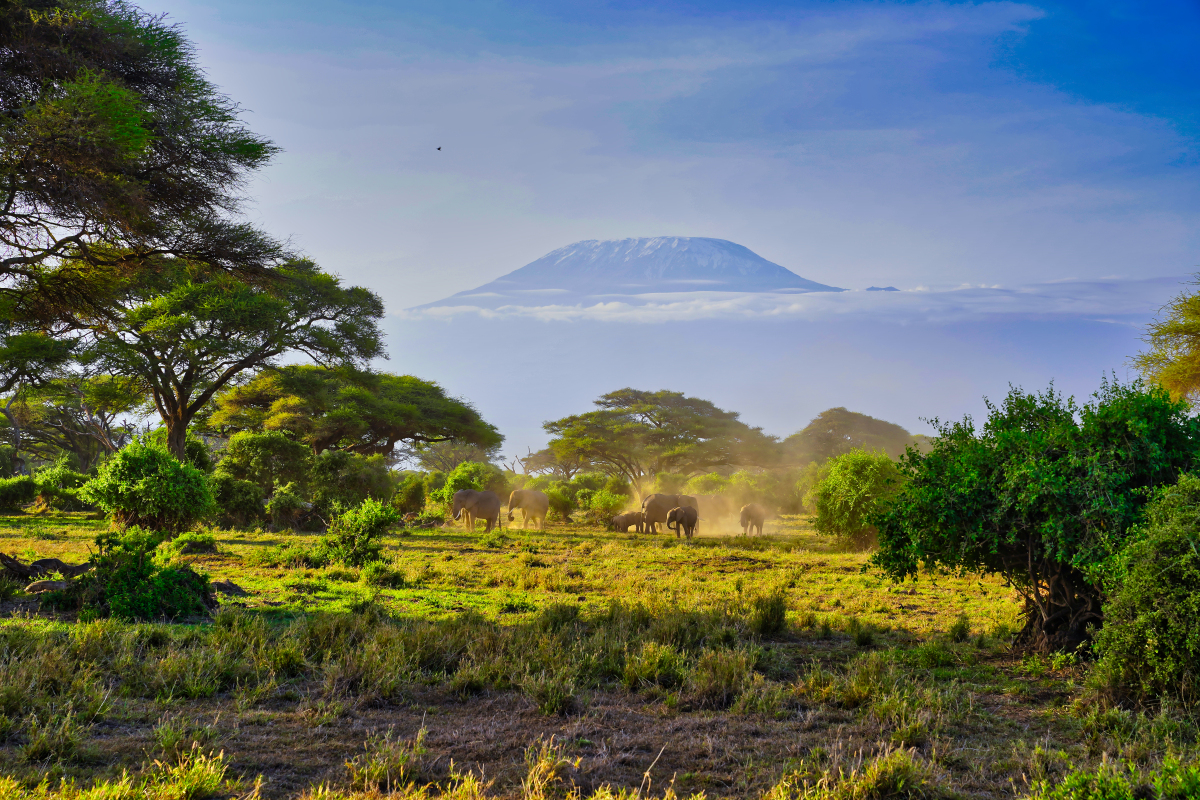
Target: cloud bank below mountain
x,y
1119,300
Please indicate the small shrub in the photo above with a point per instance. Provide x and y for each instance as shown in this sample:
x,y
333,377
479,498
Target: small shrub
x,y
341,479
720,676
854,486
1115,782
9,588
388,763
768,614
553,694
128,582
863,633
353,537
561,504
192,543
285,506
58,487
18,492
240,502
145,486
265,458
1149,645
56,738
655,665
383,575
410,495
960,630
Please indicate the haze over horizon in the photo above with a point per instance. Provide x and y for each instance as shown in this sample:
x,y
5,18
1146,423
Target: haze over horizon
x,y
1027,172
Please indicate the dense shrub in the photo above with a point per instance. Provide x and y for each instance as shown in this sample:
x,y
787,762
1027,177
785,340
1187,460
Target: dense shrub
x,y
339,479
1042,494
851,491
131,580
604,504
472,475
285,506
1150,643
58,487
195,451
561,503
1114,781
353,537
267,459
410,495
146,486
18,492
712,483
239,502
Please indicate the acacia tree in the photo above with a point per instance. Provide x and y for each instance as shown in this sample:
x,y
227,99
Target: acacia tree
x,y
27,359
188,331
1172,358
352,409
638,434
1044,495
83,414
113,148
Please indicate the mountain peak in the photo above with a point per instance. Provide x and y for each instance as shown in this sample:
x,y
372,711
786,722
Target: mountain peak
x,y
653,265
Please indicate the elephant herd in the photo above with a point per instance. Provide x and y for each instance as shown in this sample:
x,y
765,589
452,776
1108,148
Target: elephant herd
x,y
679,512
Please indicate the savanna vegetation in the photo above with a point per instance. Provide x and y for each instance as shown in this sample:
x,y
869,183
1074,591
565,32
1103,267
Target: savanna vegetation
x,y
228,566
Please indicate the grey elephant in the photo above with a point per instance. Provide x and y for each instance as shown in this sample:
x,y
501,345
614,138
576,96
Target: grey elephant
x,y
533,505
622,522
685,518
753,516
656,506
470,505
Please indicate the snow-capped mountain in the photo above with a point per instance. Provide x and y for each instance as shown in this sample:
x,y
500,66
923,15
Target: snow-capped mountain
x,y
624,267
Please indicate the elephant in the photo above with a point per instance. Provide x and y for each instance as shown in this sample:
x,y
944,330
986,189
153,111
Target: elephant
x,y
684,517
656,506
533,505
470,505
753,516
622,522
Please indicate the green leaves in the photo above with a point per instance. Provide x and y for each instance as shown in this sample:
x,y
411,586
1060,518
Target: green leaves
x,y
1043,493
142,485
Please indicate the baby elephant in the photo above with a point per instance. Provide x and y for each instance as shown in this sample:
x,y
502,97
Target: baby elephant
x,y
684,517
622,522
753,516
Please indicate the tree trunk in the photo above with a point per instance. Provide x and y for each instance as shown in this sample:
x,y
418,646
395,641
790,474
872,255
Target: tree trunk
x,y
177,439
1070,606
16,429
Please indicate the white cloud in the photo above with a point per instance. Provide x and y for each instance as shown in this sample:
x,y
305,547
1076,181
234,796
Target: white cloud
x,y
1114,300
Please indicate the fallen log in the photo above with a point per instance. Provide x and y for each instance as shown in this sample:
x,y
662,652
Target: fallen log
x,y
37,587
41,568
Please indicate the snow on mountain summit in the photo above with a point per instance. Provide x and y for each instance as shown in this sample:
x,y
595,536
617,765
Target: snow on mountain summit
x,y
665,264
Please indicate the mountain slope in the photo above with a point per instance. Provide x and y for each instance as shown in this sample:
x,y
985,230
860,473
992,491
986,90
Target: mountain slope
x,y
624,267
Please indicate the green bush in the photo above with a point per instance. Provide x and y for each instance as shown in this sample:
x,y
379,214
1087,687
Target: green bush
x,y
606,503
383,575
1149,645
192,543
131,580
266,459
58,487
1043,494
285,506
143,485
1116,782
342,480
18,492
712,483
561,503
410,495
471,475
195,451
240,502
353,537
852,489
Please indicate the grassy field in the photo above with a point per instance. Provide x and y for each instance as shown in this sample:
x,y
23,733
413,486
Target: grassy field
x,y
521,664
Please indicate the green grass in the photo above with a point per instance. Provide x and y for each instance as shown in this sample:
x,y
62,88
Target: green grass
x,y
613,643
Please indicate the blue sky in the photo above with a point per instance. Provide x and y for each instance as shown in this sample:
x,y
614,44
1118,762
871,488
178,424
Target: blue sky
x,y
891,143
